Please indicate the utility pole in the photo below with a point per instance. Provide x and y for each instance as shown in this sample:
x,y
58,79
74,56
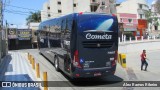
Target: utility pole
x,y
1,26
73,6
1,14
6,38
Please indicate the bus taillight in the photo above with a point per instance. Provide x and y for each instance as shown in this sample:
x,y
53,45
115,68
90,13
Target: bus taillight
x,y
80,13
77,75
113,63
115,59
114,15
116,56
76,61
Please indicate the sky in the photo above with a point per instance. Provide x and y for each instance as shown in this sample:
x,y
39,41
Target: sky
x,y
148,1
16,15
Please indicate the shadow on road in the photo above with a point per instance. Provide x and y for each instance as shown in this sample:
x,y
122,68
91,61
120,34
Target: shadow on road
x,y
111,80
5,66
104,81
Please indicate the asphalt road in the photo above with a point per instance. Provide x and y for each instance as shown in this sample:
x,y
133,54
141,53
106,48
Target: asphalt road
x,y
131,73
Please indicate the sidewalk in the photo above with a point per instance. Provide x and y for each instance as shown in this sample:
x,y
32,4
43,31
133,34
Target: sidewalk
x,y
16,67
138,41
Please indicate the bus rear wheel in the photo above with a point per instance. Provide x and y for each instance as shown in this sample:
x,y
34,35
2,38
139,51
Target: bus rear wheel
x,y
56,63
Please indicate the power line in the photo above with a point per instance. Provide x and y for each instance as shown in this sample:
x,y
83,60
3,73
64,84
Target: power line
x,y
4,4
30,10
15,12
22,13
45,15
21,7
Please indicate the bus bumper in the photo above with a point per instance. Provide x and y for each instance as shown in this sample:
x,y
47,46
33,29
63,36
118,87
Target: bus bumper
x,y
82,73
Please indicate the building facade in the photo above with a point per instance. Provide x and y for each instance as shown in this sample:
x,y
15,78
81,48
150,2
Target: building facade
x,y
24,38
56,8
129,23
138,7
133,11
19,38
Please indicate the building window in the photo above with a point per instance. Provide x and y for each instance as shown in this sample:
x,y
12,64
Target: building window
x,y
130,20
59,3
140,6
94,8
59,11
121,20
140,16
74,5
48,8
156,28
93,0
103,3
49,15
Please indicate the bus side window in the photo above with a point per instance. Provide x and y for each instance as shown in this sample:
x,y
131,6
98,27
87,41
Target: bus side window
x,y
67,34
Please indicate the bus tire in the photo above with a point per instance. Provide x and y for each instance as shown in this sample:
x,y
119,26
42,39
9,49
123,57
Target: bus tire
x,y
56,63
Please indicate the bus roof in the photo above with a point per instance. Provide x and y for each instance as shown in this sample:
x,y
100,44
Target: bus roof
x,y
50,22
74,14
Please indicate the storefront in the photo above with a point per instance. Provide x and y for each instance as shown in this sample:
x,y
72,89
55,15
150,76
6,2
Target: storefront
x,y
142,26
12,39
128,24
24,38
129,30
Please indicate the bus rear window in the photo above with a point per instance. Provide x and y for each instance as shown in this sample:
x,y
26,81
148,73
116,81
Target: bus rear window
x,y
97,23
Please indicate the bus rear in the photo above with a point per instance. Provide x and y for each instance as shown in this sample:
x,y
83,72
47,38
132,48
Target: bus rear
x,y
96,45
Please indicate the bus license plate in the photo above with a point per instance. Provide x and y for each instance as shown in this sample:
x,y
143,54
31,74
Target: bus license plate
x,y
97,74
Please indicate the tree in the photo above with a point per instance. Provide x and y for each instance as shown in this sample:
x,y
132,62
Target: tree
x,y
152,19
148,15
34,17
